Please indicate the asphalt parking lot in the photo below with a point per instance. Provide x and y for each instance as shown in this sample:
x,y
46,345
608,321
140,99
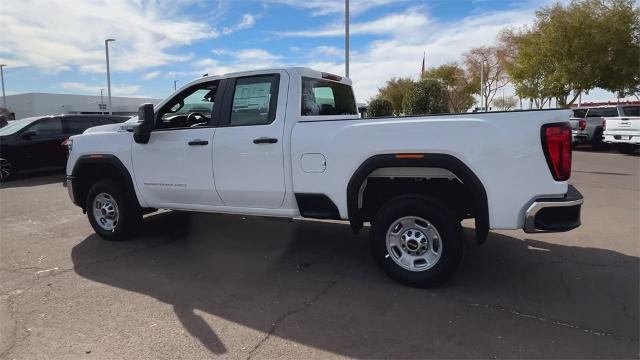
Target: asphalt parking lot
x,y
205,285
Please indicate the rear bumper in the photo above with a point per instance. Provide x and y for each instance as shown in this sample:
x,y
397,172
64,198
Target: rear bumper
x,y
554,214
621,137
579,136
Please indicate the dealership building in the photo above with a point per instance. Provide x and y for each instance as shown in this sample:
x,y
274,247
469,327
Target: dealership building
x,y
39,104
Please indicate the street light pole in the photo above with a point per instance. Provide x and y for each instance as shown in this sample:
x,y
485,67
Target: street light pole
x,y
106,50
174,85
4,97
101,102
346,38
481,84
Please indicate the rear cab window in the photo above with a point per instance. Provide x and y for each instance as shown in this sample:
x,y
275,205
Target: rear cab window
x,y
579,113
325,97
631,110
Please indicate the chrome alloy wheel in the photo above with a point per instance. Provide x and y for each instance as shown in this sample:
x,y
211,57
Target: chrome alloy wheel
x,y
414,243
105,211
5,169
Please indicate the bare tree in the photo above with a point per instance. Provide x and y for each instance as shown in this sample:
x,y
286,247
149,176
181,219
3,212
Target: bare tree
x,y
505,103
494,72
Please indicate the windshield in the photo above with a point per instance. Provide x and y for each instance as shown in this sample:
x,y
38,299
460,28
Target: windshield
x,y
631,110
17,125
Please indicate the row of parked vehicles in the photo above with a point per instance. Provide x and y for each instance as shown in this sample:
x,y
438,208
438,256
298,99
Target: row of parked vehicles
x,y
617,126
39,143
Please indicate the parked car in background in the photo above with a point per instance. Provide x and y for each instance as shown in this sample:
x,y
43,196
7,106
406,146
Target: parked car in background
x,y
586,125
578,125
36,143
623,131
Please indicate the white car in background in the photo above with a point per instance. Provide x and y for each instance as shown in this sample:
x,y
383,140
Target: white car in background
x,y
623,131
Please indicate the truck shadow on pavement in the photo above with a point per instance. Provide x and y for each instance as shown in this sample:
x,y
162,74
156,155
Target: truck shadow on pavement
x,y
37,179
317,284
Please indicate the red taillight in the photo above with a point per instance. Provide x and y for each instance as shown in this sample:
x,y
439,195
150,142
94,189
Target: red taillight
x,y
556,144
582,124
65,143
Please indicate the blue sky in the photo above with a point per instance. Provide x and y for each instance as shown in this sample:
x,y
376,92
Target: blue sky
x,y
58,45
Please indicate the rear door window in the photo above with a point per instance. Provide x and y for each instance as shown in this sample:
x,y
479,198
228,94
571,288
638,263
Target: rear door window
x,y
50,127
74,126
324,97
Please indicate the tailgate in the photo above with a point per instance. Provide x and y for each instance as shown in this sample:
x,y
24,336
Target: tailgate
x,y
623,124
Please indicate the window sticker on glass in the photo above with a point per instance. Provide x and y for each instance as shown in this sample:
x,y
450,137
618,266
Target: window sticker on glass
x,y
252,101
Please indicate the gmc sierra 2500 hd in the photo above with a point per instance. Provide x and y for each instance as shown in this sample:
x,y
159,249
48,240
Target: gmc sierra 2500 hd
x,y
289,142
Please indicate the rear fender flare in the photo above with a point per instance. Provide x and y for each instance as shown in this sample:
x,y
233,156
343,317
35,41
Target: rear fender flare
x,y
445,161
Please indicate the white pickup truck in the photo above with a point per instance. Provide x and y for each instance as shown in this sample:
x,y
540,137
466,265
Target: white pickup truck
x,y
623,131
290,143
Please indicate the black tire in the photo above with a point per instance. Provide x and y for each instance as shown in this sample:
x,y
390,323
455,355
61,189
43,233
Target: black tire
x,y
626,148
6,169
441,218
596,141
129,212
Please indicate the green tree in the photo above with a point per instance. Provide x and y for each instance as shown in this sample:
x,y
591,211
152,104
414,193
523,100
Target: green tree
x,y
458,87
379,107
394,91
426,97
574,48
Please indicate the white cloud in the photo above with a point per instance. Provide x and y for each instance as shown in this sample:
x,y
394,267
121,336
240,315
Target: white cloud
x,y
247,21
60,35
247,54
403,37
328,7
402,23
152,75
116,90
326,51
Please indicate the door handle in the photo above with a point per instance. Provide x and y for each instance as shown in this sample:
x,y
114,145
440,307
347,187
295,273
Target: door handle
x,y
198,142
265,140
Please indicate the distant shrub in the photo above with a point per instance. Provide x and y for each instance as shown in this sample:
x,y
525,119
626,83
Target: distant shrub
x,y
426,97
379,107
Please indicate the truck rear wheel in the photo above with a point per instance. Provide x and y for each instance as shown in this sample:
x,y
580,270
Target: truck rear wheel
x,y
626,148
110,213
416,241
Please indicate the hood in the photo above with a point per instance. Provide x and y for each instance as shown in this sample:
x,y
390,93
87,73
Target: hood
x,y
109,128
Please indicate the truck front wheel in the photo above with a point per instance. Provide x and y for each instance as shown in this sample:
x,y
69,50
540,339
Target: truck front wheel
x,y
110,214
416,241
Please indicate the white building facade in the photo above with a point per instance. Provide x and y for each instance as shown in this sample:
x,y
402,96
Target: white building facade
x,y
39,104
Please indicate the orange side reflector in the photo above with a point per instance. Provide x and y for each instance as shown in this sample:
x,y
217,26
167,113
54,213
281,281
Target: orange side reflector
x,y
95,156
409,156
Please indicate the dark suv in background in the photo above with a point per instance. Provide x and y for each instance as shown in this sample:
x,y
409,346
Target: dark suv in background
x,y
36,143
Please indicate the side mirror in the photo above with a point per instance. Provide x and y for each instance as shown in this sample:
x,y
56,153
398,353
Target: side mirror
x,y
28,135
142,131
